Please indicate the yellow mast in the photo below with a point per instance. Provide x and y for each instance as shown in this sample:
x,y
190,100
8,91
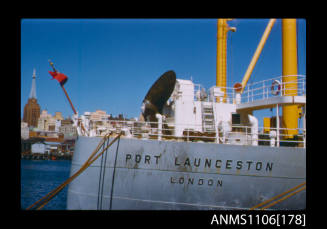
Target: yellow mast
x,y
219,51
289,51
221,70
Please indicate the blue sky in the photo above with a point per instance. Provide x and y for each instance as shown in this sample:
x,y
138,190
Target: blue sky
x,y
112,63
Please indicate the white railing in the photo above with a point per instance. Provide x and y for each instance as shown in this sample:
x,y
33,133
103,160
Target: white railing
x,y
228,98
263,89
239,135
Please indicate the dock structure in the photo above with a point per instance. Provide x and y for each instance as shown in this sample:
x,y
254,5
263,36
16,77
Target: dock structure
x,y
39,149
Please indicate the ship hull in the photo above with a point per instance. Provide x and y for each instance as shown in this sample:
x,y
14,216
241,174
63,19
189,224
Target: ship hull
x,y
138,174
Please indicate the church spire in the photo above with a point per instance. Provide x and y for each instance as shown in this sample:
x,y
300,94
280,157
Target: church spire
x,y
33,89
32,108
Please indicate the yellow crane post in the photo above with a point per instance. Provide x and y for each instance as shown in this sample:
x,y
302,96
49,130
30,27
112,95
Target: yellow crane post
x,y
221,69
289,51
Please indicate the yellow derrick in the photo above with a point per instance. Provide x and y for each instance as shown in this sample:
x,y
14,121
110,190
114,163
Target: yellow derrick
x,y
257,53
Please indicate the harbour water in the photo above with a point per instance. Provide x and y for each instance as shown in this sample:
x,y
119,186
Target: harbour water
x,y
39,177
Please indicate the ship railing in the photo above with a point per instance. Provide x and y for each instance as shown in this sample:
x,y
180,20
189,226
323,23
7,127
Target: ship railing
x,y
282,137
264,89
275,87
236,135
229,94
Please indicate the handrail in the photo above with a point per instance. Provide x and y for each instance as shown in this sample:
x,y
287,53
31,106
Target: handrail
x,y
262,89
194,132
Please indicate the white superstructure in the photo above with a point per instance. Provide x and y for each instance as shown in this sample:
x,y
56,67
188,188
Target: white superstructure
x,y
204,115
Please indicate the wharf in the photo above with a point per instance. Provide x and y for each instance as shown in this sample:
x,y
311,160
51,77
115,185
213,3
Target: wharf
x,y
46,157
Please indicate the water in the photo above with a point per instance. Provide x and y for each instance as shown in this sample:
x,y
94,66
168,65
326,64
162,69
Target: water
x,y
39,177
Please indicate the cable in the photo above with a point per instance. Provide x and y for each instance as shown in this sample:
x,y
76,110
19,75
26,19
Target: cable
x,y
113,175
283,198
104,172
278,196
100,175
44,200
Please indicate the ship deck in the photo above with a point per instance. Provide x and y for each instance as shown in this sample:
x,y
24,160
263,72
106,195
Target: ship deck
x,y
271,102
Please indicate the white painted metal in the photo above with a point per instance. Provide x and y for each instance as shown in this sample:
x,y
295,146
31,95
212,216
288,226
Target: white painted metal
x,y
187,111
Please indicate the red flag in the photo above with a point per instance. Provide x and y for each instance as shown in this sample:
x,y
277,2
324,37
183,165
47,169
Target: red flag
x,y
62,78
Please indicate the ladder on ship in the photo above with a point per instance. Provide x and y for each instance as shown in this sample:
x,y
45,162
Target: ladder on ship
x,y
208,118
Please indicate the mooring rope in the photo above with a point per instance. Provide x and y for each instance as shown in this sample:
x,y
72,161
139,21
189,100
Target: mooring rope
x,y
54,190
100,175
104,173
44,200
270,203
284,198
113,176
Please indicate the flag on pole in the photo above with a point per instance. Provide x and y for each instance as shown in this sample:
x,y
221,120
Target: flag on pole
x,y
62,78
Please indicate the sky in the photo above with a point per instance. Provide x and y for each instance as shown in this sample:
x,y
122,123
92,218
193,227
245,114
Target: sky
x,y
112,63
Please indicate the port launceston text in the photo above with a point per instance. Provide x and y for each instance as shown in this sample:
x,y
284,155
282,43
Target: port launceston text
x,y
203,163
186,163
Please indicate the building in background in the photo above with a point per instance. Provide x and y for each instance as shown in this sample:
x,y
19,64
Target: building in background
x,y
96,122
68,129
38,148
58,118
47,122
32,108
99,123
24,130
40,132
44,121
51,136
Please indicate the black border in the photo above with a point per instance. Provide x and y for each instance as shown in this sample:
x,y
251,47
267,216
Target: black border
x,y
155,219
